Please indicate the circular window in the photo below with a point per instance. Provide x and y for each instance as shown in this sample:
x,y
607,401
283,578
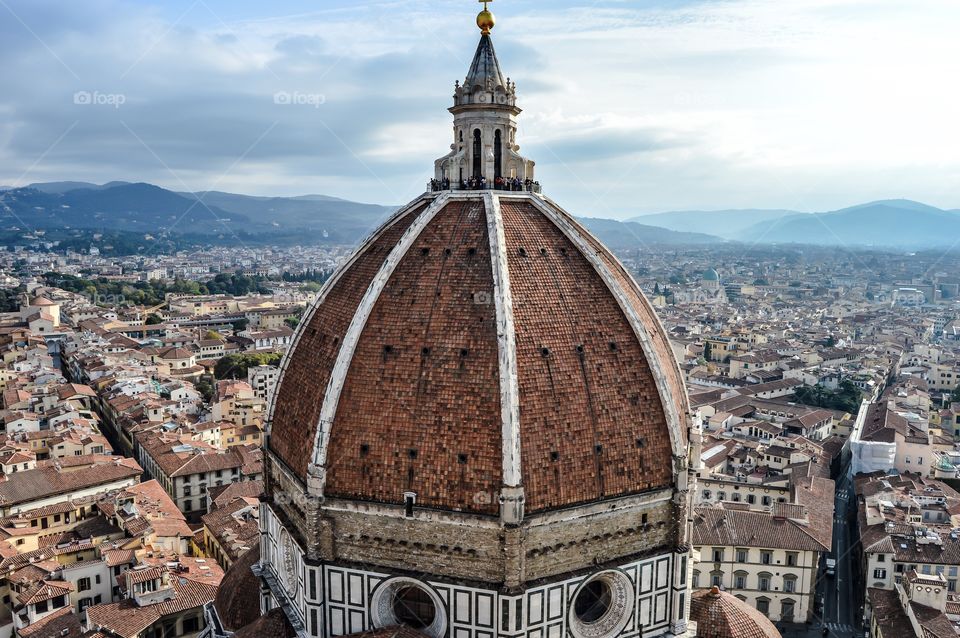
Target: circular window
x,y
413,607
593,601
601,606
411,603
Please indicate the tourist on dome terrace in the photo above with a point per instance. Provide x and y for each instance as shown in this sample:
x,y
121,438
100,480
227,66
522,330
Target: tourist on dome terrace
x,y
500,183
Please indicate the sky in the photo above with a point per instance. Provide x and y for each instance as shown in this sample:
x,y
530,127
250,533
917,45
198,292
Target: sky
x,y
630,106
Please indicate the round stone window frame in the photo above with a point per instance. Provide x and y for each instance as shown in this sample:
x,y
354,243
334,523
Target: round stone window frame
x,y
289,563
610,624
381,605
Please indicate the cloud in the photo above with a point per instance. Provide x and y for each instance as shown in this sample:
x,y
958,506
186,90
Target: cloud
x,y
629,107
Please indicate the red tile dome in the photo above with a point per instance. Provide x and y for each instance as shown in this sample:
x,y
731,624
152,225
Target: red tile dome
x,y
722,615
477,341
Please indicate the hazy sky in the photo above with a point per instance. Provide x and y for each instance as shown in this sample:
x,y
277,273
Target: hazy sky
x,y
629,106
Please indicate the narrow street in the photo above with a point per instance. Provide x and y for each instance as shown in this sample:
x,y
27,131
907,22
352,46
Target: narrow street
x,y
839,612
837,594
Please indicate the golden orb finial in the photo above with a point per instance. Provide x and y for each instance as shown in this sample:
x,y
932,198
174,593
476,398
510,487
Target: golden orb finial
x,y
485,19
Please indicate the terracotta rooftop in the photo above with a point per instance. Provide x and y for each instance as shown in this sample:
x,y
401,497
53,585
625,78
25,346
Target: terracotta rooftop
x,y
889,613
722,615
44,590
423,402
238,600
126,619
717,526
273,624
25,486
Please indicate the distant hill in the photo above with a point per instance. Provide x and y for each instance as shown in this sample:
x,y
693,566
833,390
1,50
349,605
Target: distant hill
x,y
128,207
890,223
65,187
331,219
728,224
218,217
619,235
148,209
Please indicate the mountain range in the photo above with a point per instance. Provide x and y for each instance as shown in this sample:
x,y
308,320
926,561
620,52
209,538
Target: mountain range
x,y
145,208
729,224
895,223
141,208
211,216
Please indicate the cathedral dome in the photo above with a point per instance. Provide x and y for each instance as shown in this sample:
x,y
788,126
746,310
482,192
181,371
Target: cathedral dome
x,y
480,428
722,615
475,342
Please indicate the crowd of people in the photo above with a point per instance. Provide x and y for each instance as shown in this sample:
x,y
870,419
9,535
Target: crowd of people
x,y
482,183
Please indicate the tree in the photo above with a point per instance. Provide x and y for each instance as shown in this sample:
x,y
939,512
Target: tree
x,y
213,334
294,321
10,299
153,319
846,397
234,366
831,341
707,350
205,387
656,288
955,396
240,325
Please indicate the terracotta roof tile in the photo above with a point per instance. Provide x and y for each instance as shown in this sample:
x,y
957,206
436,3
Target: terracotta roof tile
x,y
295,414
63,623
28,485
420,409
126,619
722,615
273,624
238,600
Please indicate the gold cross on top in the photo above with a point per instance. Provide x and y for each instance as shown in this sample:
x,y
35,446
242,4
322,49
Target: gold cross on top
x,y
485,19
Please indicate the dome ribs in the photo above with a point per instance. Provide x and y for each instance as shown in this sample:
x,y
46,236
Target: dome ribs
x,y
672,380
583,405
307,369
503,347
436,390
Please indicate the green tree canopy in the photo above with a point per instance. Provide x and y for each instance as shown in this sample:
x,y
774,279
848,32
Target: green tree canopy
x,y
846,397
235,366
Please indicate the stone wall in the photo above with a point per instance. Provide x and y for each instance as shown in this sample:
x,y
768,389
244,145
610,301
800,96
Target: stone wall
x,y
583,543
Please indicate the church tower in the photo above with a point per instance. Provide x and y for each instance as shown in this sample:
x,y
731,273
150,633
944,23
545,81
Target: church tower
x,y
484,121
480,429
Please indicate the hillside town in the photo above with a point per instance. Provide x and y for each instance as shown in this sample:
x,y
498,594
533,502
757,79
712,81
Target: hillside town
x,y
826,413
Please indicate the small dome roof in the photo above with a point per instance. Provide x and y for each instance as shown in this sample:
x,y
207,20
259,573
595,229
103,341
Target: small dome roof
x,y
711,275
238,599
721,615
